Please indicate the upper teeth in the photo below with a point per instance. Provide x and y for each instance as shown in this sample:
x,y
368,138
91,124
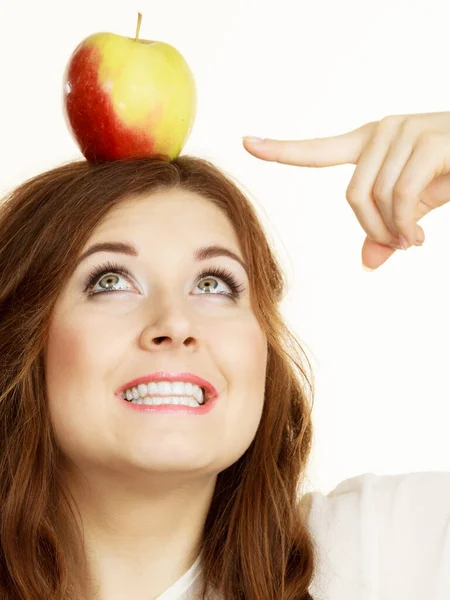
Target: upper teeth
x,y
164,388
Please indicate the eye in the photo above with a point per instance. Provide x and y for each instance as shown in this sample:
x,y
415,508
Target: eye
x,y
109,273
209,276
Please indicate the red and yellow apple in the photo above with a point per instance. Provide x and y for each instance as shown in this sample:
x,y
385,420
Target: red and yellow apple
x,y
126,97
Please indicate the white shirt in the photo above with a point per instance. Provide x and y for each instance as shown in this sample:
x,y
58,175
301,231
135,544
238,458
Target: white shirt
x,y
377,538
183,588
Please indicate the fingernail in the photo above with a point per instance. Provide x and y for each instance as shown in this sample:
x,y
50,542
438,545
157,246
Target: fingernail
x,y
366,268
418,243
404,242
252,139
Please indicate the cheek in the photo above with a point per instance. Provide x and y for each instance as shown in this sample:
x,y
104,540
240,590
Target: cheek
x,y
73,364
78,356
63,354
62,366
246,345
241,354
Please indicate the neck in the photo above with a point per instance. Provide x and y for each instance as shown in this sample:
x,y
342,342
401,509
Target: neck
x,y
142,533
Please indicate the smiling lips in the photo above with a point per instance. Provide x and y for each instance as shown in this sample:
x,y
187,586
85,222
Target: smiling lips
x,y
165,392
169,388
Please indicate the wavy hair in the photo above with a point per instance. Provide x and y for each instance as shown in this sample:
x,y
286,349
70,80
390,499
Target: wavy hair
x,y
255,543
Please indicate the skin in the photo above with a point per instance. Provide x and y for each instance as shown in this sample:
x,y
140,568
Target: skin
x,y
143,481
402,173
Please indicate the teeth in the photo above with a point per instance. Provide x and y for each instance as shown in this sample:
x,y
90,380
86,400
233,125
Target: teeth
x,y
167,389
142,389
156,401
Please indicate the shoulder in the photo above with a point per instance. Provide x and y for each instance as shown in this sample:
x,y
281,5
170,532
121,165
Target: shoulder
x,y
395,501
383,527
384,495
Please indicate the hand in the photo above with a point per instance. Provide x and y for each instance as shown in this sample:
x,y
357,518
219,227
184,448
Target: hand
x,y
402,173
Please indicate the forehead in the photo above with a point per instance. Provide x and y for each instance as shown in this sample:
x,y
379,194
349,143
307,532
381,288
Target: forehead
x,y
167,213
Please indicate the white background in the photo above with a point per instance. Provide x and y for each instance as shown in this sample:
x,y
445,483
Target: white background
x,y
379,341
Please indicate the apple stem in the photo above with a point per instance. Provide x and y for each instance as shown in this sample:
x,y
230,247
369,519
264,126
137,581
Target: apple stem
x,y
138,25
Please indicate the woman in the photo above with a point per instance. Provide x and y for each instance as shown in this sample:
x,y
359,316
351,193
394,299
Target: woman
x,y
129,286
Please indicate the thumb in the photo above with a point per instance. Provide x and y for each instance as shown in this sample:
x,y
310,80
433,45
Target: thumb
x,y
373,254
319,152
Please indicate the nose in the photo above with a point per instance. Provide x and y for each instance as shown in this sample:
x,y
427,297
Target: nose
x,y
171,329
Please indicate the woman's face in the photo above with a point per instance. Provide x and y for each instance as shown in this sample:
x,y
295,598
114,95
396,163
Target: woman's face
x,y
160,317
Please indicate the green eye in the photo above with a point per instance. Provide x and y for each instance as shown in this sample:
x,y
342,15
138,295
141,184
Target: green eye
x,y
208,275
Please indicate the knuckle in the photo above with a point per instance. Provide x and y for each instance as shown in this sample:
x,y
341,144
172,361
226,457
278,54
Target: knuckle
x,y
390,122
428,139
354,195
401,193
409,127
381,195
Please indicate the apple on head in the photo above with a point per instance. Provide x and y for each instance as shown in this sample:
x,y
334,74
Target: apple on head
x,y
126,97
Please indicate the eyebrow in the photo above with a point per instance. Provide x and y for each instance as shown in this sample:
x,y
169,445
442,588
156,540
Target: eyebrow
x,y
129,249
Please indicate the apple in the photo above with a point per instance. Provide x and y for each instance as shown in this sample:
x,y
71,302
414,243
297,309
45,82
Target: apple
x,y
127,97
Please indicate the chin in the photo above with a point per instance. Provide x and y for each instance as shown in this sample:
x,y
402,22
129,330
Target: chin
x,y
177,461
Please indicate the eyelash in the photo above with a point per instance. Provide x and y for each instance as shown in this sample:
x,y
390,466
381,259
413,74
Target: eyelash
x,y
109,267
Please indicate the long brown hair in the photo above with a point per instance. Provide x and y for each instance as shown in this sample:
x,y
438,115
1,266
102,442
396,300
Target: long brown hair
x,y
256,545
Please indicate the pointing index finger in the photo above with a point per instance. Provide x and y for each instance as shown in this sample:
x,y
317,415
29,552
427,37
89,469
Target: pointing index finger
x,y
319,152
